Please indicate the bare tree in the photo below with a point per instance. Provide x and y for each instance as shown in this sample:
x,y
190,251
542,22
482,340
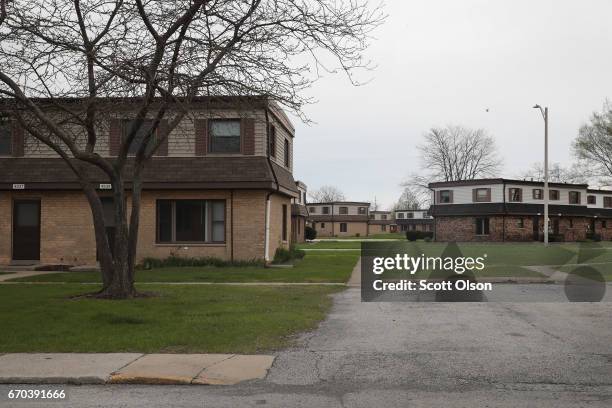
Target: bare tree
x,y
326,194
593,145
458,153
163,54
557,173
412,198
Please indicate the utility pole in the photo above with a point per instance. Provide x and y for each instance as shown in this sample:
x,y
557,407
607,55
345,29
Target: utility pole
x,y
544,112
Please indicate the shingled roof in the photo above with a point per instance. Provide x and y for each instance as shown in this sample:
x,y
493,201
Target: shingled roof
x,y
162,173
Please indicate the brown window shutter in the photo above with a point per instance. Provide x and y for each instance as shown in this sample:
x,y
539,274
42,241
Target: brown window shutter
x,y
162,131
18,142
201,137
451,196
474,196
114,137
488,194
247,130
520,195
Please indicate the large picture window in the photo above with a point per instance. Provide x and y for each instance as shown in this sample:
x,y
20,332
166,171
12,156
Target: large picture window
x,y
482,226
190,221
141,134
6,136
224,136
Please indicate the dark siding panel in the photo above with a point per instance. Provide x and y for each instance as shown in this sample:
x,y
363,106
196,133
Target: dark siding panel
x,y
247,127
114,137
201,137
18,140
162,131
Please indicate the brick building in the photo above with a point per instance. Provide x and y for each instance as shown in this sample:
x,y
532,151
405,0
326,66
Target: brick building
x,y
414,220
512,210
340,218
220,186
382,222
299,213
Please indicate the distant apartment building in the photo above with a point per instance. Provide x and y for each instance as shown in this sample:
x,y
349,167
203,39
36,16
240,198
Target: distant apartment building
x,y
340,218
512,210
299,213
382,222
413,220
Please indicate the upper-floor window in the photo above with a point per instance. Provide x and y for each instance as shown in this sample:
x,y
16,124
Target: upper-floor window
x,y
141,134
287,153
304,198
272,141
224,136
538,193
372,216
553,195
312,209
515,195
574,197
6,137
409,215
384,216
400,215
607,202
325,210
591,199
343,210
446,196
481,195
362,210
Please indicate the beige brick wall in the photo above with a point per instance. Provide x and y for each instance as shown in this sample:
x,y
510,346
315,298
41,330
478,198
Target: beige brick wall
x,y
67,234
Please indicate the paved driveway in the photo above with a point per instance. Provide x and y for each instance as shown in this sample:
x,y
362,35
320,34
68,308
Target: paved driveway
x,y
419,354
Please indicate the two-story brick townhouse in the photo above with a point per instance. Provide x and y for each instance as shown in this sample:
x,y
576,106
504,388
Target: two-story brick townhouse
x,y
512,210
414,220
299,213
340,218
221,186
382,222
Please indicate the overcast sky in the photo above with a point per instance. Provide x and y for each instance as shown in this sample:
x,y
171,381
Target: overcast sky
x,y
445,62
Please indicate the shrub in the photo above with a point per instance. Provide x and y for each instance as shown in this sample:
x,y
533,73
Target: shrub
x,y
310,233
594,237
412,235
284,255
427,239
179,261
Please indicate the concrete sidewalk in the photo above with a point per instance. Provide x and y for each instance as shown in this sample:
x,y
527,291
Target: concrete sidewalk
x,y
132,368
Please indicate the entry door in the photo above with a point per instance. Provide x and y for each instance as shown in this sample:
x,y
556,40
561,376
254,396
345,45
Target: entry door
x,y
536,228
26,230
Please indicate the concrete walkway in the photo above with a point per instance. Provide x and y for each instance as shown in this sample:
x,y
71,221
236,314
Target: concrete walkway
x,y
132,368
23,274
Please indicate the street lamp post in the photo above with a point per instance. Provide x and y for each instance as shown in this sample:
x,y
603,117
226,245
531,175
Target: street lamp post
x,y
544,112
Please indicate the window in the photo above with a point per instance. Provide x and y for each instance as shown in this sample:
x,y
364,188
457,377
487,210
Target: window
x,y
322,225
190,221
6,136
343,227
143,132
574,197
312,210
284,222
604,224
362,210
521,223
272,141
325,210
446,196
400,215
384,216
409,215
591,199
343,210
372,216
287,153
515,195
482,226
553,195
224,136
607,202
571,223
538,193
481,195
383,227
304,198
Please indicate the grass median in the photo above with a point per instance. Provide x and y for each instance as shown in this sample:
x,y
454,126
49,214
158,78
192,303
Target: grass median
x,y
319,267
181,319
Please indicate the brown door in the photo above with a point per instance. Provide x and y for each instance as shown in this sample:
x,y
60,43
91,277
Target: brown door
x,y
536,228
26,230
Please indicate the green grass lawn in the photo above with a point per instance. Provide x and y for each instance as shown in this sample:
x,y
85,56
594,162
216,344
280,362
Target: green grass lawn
x,y
604,269
183,319
316,267
395,235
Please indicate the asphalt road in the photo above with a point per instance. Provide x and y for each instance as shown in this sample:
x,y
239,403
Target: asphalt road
x,y
412,354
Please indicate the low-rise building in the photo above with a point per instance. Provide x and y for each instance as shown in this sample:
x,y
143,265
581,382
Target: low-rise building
x,y
513,210
339,218
414,220
382,222
299,213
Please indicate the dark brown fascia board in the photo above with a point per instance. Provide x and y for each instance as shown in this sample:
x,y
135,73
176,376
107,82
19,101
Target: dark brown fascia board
x,y
340,203
477,182
380,212
418,210
596,191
